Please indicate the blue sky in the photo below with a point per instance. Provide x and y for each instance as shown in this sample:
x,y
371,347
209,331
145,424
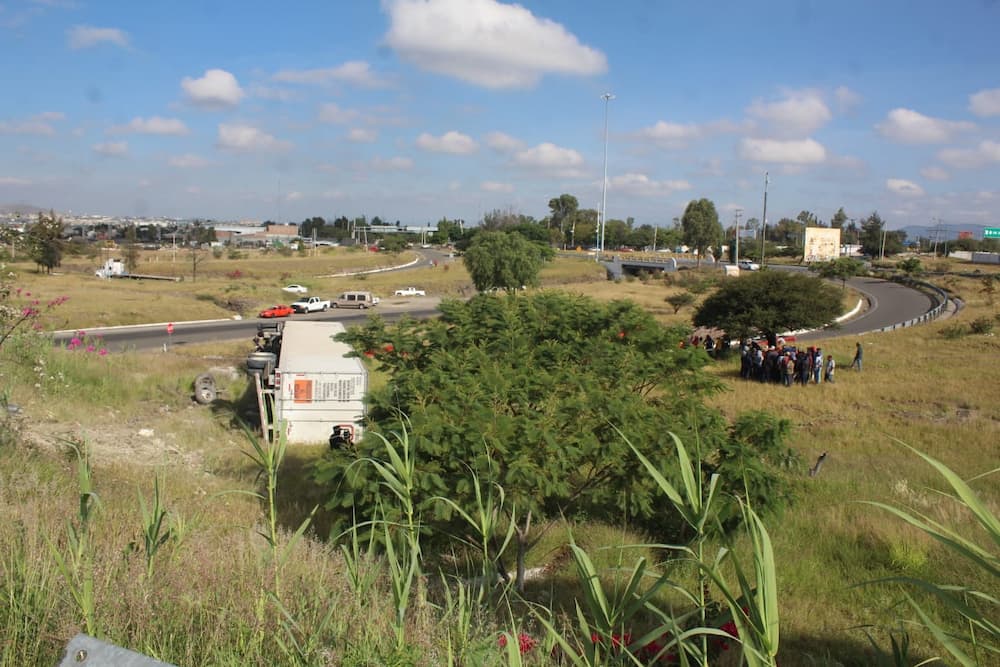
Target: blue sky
x,y
414,110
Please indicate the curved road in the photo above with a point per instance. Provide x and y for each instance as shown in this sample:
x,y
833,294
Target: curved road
x,y
890,303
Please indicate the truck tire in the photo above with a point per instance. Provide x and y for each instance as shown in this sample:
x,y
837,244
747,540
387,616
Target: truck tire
x,y
205,394
205,379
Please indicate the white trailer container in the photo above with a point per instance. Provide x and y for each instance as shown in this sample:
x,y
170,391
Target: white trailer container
x,y
317,388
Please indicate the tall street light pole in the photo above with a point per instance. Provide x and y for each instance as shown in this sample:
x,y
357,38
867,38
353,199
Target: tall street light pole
x,y
607,97
763,232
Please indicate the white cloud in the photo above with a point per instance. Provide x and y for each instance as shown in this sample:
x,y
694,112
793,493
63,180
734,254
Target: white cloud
x,y
362,135
643,186
152,125
549,157
904,187
85,36
847,99
355,72
217,89
910,127
494,186
934,174
392,164
968,158
111,148
50,115
37,127
985,102
670,135
272,93
798,115
486,43
449,142
331,113
503,143
802,151
13,182
238,137
187,161
294,195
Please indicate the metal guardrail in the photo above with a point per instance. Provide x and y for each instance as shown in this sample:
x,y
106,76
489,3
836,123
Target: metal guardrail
x,y
937,293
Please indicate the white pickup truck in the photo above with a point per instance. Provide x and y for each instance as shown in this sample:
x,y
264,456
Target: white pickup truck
x,y
310,304
410,291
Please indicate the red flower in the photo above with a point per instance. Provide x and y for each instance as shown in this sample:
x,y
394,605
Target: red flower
x,y
369,354
525,642
621,334
389,347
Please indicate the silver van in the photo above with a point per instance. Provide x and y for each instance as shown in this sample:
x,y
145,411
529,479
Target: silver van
x,y
355,300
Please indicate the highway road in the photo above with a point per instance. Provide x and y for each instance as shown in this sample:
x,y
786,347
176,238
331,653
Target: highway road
x,y
890,303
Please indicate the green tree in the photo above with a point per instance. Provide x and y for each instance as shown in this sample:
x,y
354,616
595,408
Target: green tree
x,y
680,300
839,219
45,241
875,239
911,266
615,233
563,209
315,224
503,260
393,242
768,303
701,227
447,231
130,255
527,392
841,269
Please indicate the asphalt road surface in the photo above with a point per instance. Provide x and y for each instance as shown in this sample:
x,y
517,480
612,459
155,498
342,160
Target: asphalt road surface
x,y
890,303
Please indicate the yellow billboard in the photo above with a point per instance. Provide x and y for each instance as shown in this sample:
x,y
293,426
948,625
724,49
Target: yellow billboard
x,y
822,244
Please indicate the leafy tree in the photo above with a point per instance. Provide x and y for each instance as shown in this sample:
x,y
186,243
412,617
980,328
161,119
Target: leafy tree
x,y
310,225
503,260
809,219
701,226
787,232
528,392
873,236
45,241
841,269
839,219
768,303
447,231
680,300
393,242
911,266
130,255
563,209
615,233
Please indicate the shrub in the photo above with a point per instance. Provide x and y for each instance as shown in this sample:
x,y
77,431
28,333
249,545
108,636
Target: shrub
x,y
954,331
981,325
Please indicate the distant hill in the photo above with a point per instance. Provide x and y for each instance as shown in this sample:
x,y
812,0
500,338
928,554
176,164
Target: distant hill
x,y
23,209
944,232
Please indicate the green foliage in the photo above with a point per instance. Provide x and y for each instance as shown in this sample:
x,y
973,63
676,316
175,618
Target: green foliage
x,y
393,243
975,640
524,392
768,303
45,242
911,266
874,238
504,260
680,300
701,227
981,325
840,269
954,331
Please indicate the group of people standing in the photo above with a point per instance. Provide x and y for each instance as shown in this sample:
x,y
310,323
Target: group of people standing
x,y
786,364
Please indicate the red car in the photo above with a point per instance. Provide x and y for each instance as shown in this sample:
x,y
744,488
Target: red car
x,y
277,311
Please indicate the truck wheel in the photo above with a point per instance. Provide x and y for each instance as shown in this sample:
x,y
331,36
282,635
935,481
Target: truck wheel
x,y
204,380
205,394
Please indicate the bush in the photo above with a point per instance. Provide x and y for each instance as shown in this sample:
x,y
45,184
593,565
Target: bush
x,y
981,325
954,331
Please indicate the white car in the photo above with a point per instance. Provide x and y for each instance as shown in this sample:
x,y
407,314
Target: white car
x,y
410,291
747,265
295,289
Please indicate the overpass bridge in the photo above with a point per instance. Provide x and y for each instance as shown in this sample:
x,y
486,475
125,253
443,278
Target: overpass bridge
x,y
620,265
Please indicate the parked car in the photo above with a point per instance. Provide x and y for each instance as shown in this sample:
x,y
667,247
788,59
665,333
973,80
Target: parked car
x,y
295,289
747,265
410,291
360,300
310,304
277,311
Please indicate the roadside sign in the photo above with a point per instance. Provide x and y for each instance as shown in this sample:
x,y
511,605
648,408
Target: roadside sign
x,y
170,327
991,233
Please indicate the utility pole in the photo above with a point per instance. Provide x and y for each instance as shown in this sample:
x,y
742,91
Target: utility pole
x,y
736,256
607,97
763,231
656,228
882,253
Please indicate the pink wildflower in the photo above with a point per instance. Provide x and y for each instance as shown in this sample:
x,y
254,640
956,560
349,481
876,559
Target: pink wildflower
x,y
103,352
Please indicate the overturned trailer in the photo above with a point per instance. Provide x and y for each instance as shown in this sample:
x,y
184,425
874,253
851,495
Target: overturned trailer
x,y
307,384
